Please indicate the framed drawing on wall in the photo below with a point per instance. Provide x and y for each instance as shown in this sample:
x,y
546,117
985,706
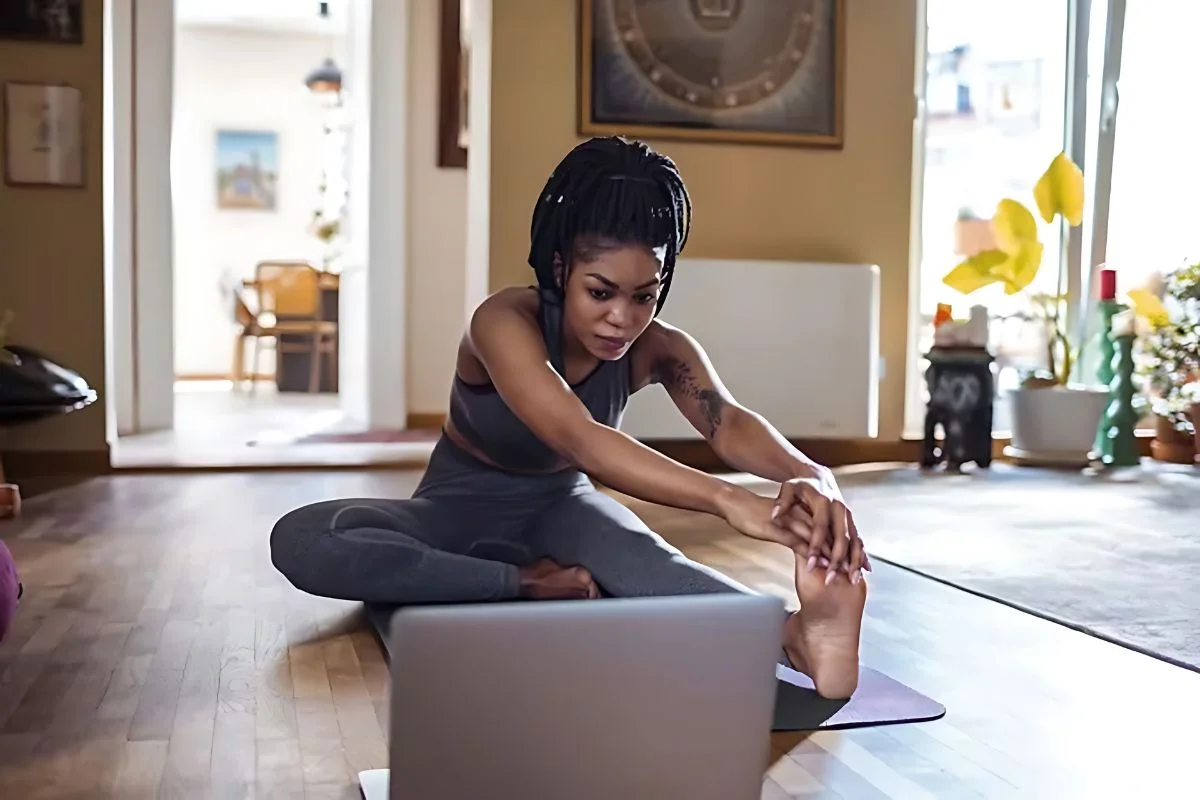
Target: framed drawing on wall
x,y
737,71
453,79
43,135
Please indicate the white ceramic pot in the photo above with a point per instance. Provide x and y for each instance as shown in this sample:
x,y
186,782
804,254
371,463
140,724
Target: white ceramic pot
x,y
1055,425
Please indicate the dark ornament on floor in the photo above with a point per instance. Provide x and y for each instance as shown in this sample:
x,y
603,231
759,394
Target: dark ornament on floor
x,y
961,389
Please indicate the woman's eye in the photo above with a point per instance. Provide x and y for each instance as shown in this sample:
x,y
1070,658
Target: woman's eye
x,y
599,294
645,299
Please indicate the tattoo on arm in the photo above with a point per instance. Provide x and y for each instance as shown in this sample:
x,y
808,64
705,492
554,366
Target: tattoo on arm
x,y
675,375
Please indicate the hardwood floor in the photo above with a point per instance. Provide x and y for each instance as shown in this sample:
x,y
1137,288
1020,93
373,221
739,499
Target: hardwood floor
x,y
157,653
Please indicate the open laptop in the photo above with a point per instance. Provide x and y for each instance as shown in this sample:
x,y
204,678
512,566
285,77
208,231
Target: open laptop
x,y
627,698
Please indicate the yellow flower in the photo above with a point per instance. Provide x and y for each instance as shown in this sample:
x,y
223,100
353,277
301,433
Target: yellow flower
x,y
1060,191
1018,254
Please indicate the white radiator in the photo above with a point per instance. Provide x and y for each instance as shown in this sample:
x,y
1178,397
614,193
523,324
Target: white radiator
x,y
797,342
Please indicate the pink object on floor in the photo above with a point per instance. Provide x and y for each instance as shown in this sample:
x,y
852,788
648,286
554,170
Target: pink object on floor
x,y
10,589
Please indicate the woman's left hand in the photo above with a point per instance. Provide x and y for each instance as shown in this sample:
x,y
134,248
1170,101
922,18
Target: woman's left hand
x,y
832,522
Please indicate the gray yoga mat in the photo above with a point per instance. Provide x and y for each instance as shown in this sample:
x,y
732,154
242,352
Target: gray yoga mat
x,y
879,700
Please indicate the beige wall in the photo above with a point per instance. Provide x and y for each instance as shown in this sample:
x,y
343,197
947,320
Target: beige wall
x,y
52,243
750,202
437,230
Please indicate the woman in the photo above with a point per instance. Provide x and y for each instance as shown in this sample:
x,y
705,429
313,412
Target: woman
x,y
506,508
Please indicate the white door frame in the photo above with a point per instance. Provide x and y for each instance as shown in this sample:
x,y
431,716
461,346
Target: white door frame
x,y
139,289
139,240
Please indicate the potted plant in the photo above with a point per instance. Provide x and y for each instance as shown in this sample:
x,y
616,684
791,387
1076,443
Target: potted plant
x,y
1169,359
1053,420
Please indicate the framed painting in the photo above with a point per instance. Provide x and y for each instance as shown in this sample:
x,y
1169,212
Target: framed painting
x,y
735,71
454,77
44,21
247,169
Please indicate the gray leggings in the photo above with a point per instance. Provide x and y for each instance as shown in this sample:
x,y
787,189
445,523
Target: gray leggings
x,y
466,531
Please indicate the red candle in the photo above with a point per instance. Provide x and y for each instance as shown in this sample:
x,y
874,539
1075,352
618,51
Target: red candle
x,y
1108,284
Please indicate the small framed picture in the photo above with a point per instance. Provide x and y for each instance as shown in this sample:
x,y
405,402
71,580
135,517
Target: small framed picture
x,y
42,21
43,135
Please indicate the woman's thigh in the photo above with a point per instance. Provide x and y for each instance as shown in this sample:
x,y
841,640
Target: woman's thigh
x,y
626,558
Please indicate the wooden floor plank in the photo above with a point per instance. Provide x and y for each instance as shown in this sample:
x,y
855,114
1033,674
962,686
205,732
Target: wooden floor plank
x,y
157,653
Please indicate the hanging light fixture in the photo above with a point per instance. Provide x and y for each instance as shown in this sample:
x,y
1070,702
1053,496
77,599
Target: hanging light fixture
x,y
327,78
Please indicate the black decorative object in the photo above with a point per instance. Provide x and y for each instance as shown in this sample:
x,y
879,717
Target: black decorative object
x,y
33,386
961,389
47,21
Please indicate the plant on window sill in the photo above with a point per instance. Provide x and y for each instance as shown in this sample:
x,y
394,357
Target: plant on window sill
x,y
1016,260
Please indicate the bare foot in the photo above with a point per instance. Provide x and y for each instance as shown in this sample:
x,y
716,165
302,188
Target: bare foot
x,y
822,638
547,580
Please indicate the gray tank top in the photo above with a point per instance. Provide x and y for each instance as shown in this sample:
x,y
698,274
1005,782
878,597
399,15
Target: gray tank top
x,y
481,416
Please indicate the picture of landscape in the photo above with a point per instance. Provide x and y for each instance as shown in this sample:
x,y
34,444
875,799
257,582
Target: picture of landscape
x,y
247,169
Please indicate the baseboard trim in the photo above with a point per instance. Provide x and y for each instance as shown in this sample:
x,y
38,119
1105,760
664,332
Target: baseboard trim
x,y
425,420
22,465
221,376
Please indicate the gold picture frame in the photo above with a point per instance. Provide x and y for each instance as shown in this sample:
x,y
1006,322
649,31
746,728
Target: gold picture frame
x,y
638,74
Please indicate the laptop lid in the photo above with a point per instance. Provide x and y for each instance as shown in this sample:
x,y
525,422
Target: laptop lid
x,y
617,698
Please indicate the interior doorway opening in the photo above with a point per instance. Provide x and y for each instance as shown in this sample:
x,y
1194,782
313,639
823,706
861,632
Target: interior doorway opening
x,y
240,197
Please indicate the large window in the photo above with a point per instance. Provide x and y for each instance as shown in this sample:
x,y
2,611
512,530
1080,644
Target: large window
x,y
1001,99
1155,201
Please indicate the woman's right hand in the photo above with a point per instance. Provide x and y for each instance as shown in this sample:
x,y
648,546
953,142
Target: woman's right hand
x,y
751,515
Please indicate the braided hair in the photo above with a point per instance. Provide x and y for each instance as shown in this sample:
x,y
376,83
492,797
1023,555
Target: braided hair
x,y
606,190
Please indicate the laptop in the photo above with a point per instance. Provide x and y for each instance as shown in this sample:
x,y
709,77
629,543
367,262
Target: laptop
x,y
629,698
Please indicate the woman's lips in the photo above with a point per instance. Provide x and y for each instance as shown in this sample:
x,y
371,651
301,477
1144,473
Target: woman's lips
x,y
612,342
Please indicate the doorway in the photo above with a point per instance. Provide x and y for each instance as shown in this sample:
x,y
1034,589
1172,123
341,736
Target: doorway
x,y
245,247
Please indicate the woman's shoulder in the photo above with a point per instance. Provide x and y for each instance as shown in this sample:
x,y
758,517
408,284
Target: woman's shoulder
x,y
521,299
502,313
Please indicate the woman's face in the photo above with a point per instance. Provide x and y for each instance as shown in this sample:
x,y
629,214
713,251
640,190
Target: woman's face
x,y
610,297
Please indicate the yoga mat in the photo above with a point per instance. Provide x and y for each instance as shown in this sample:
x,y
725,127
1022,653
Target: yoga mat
x,y
879,700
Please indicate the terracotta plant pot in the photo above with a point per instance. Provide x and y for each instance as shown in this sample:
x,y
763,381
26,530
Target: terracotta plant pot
x,y
1171,444
10,500
1195,415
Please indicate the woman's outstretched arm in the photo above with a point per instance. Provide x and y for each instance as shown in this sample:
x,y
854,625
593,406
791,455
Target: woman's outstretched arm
x,y
508,342
747,442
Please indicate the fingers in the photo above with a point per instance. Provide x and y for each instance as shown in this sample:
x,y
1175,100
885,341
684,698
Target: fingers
x,y
800,522
785,501
795,526
840,530
820,528
858,554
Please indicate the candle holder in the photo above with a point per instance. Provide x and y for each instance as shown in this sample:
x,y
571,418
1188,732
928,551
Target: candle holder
x,y
1107,307
1118,438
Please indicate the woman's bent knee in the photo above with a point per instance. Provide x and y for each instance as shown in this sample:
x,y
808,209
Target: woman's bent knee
x,y
293,542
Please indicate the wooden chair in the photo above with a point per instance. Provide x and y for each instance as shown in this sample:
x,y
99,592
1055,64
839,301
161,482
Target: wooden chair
x,y
289,305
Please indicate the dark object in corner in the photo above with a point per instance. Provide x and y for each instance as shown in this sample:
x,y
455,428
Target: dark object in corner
x,y
32,387
961,389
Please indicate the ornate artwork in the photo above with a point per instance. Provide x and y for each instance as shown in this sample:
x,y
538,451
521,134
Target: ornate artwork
x,y
751,71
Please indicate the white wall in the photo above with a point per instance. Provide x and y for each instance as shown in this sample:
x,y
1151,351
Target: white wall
x,y
248,78
239,79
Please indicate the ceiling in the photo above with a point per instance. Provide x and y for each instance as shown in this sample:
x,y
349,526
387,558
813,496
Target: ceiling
x,y
277,15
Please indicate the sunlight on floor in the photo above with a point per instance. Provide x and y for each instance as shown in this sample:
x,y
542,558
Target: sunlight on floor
x,y
216,426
